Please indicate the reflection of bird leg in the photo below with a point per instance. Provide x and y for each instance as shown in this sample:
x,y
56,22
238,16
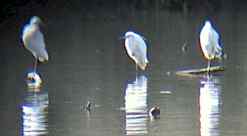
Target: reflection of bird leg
x,y
136,71
35,65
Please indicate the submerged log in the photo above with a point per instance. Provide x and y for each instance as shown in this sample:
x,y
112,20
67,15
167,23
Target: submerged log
x,y
198,72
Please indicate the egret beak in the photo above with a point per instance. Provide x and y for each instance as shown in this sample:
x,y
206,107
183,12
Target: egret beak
x,y
42,25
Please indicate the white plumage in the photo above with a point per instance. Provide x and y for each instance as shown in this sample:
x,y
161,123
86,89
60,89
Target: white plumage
x,y
33,39
136,49
209,41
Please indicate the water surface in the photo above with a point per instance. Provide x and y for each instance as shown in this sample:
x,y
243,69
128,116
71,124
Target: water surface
x,y
88,63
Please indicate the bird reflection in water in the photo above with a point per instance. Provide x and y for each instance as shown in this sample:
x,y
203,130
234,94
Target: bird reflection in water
x,y
136,106
35,113
210,106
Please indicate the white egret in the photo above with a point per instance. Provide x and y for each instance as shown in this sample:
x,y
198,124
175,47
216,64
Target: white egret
x,y
33,40
136,49
209,41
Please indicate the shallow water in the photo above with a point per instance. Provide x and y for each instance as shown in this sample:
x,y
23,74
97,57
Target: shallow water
x,y
88,63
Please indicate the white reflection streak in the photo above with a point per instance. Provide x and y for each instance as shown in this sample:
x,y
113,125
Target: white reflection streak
x,y
35,114
210,103
136,106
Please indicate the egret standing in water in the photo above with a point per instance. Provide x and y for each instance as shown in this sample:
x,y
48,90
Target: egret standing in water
x,y
33,41
136,49
209,41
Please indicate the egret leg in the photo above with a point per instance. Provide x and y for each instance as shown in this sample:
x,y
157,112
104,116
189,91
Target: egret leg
x,y
208,69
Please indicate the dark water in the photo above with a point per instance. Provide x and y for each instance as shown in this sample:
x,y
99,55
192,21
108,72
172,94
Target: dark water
x,y
88,63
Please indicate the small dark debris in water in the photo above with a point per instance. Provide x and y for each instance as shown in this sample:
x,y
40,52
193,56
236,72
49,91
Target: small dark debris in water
x,y
168,73
88,106
184,47
154,112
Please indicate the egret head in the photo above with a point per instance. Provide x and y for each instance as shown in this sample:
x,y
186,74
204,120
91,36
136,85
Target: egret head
x,y
35,20
133,34
207,23
129,34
